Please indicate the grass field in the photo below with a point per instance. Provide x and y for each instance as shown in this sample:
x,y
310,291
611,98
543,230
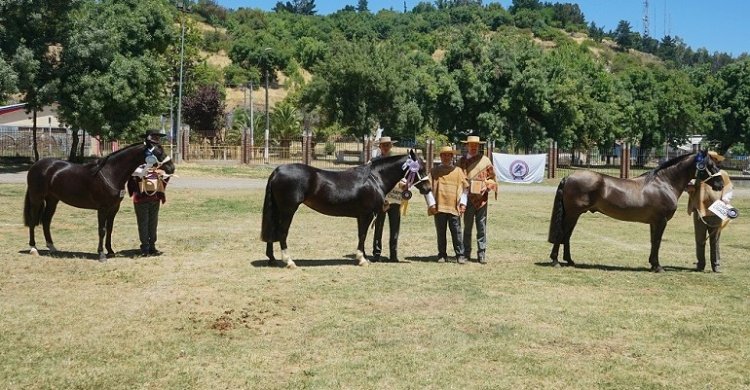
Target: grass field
x,y
209,313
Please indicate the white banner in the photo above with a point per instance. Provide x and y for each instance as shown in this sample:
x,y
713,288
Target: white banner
x,y
519,168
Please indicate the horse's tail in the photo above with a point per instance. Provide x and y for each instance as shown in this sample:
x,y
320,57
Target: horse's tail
x,y
556,235
31,214
269,226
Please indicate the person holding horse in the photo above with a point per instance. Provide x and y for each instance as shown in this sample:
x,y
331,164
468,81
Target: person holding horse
x,y
392,208
481,175
708,220
146,186
451,188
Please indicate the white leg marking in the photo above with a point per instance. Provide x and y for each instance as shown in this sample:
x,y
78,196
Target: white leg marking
x,y
102,257
361,261
33,251
288,260
51,247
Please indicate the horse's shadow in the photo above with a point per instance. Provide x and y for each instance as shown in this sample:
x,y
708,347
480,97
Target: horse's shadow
x,y
605,267
350,259
58,254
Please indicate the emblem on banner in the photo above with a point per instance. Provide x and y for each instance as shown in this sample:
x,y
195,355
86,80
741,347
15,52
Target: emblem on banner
x,y
519,169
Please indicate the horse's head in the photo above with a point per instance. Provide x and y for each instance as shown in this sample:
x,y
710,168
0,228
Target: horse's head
x,y
707,171
423,183
155,151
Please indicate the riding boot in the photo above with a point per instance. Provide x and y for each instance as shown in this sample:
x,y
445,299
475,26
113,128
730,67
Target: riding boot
x,y
700,254
145,250
715,266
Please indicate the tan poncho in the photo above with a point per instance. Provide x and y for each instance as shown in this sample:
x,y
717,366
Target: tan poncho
x,y
448,183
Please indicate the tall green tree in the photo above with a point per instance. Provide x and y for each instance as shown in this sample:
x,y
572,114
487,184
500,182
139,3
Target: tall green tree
x,y
8,80
31,33
113,72
729,98
357,86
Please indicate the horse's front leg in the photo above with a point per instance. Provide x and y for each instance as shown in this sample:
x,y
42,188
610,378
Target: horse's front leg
x,y
110,225
269,253
363,223
102,218
657,230
554,254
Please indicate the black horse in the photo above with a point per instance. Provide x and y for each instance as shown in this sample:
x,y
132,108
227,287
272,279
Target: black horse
x,y
650,198
358,193
98,185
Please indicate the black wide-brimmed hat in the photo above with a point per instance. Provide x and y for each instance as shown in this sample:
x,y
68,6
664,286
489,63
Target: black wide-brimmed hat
x,y
155,133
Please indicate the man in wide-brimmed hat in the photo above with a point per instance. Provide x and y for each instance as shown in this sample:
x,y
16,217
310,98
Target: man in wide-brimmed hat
x,y
392,208
147,186
707,224
450,188
481,175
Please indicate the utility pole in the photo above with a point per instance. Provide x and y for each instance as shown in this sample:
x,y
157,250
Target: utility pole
x,y
645,19
184,8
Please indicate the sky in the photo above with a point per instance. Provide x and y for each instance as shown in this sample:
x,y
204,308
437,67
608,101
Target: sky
x,y
718,25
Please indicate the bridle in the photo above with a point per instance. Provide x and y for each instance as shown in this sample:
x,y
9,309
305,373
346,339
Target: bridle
x,y
150,152
411,175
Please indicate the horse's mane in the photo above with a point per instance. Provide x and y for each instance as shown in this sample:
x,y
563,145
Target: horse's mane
x,y
97,165
669,163
387,159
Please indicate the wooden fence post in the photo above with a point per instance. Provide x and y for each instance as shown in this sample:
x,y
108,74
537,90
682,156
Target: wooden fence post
x,y
625,161
552,160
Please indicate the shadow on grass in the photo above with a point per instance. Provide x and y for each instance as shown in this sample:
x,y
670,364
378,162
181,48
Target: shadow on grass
x,y
347,260
604,267
14,164
128,253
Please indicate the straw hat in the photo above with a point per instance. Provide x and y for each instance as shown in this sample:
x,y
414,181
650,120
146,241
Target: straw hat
x,y
473,139
448,149
716,156
386,140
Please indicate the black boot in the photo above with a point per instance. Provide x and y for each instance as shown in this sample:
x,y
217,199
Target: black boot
x,y
394,257
700,253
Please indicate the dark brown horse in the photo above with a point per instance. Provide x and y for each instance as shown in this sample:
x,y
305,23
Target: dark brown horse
x,y
650,198
357,193
98,185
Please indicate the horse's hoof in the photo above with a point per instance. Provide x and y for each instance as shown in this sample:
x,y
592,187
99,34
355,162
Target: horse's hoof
x,y
363,263
555,264
51,247
570,263
102,257
657,269
33,251
291,265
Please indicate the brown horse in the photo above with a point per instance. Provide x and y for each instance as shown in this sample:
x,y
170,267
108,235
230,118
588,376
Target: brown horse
x,y
98,185
650,198
357,193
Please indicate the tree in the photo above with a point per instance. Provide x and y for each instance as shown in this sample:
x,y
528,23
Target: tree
x,y
624,35
301,7
260,51
362,6
31,32
729,98
113,70
204,111
8,80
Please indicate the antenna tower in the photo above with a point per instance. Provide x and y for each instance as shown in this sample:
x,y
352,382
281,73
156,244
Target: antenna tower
x,y
645,19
